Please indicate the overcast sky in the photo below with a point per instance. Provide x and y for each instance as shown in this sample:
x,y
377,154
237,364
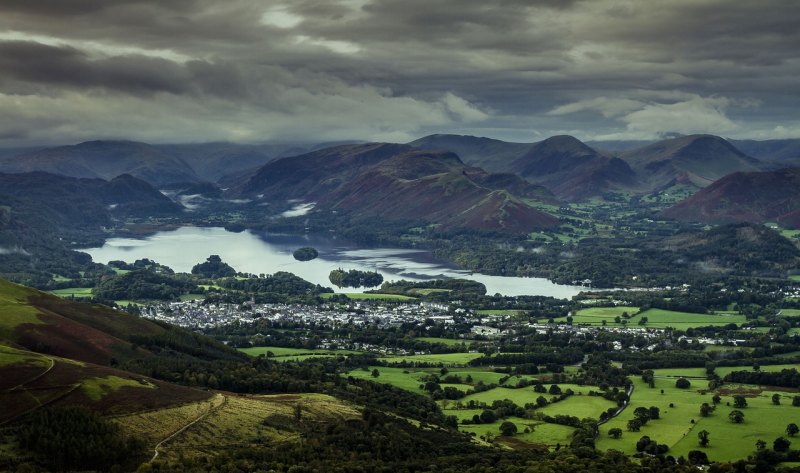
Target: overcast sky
x,y
395,70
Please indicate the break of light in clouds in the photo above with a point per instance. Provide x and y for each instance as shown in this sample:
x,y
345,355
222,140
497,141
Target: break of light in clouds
x,y
394,70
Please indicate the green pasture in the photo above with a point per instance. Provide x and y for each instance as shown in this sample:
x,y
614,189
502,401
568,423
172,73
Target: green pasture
x,y
73,292
97,388
541,432
729,441
444,341
14,308
11,356
280,352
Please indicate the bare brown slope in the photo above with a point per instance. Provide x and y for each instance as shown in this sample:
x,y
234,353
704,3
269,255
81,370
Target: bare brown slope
x,y
745,197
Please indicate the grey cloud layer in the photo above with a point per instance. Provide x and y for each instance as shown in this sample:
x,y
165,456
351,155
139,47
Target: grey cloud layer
x,y
247,70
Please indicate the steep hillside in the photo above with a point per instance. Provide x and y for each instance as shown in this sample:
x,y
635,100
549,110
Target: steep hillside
x,y
105,160
568,168
745,197
434,187
571,169
397,182
696,160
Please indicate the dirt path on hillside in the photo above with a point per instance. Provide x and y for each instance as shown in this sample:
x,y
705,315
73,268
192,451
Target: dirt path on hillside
x,y
203,416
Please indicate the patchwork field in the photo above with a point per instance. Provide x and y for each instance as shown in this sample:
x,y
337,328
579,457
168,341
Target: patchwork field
x,y
73,292
678,425
656,318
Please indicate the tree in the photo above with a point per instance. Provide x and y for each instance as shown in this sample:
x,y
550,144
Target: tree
x,y
634,425
508,428
655,412
705,410
716,399
776,399
736,416
781,444
792,429
697,457
760,444
796,401
642,443
487,416
683,383
615,433
555,389
739,402
375,373
642,414
702,436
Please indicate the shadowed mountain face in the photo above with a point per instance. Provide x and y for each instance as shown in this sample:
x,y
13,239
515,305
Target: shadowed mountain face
x,y
398,182
572,170
696,160
157,164
105,160
745,197
567,167
782,153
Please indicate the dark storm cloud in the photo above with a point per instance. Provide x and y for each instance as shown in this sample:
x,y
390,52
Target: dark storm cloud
x,y
395,69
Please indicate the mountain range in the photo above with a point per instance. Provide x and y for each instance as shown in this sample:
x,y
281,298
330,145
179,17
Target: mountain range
x,y
450,180
400,182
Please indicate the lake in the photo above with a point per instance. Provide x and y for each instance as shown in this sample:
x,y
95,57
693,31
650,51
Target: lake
x,y
257,252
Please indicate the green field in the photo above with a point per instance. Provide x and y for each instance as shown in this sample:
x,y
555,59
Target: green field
x,y
411,378
723,370
97,388
14,308
294,353
596,315
12,356
729,441
73,292
541,432
795,277
656,318
448,359
791,312
444,341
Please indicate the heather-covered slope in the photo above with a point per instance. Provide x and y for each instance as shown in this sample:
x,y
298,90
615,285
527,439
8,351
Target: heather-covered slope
x,y
398,182
745,197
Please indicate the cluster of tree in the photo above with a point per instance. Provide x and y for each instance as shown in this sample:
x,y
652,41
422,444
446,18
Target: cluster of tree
x,y
68,438
452,288
540,357
786,378
305,253
355,278
143,285
280,284
213,268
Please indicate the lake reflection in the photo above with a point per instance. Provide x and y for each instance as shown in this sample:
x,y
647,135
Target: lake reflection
x,y
258,253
